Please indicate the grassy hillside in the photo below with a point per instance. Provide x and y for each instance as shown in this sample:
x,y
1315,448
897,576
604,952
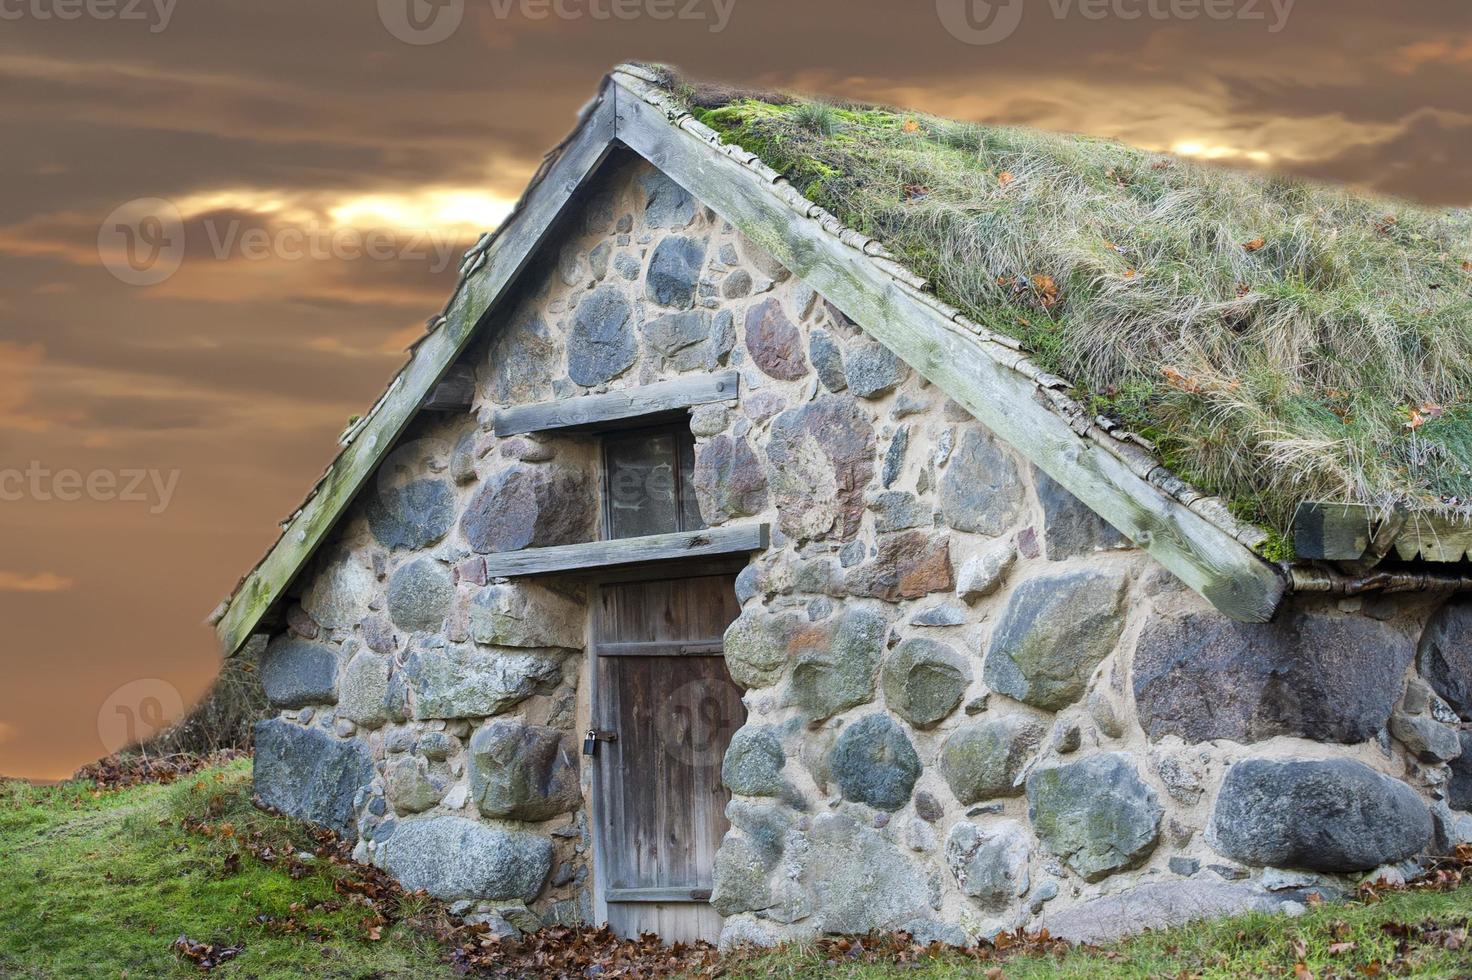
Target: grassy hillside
x,y
1279,340
102,884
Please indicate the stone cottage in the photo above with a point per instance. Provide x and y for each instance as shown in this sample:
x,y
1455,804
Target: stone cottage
x,y
704,573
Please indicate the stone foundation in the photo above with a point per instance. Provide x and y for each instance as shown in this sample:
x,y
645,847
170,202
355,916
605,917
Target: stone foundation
x,y
972,705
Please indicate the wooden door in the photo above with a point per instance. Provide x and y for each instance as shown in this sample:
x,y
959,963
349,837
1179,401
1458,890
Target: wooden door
x,y
661,686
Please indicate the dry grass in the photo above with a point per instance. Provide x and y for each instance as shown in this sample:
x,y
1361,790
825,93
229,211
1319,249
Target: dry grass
x,y
1280,341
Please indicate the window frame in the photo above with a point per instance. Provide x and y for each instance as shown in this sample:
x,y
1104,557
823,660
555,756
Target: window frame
x,y
684,442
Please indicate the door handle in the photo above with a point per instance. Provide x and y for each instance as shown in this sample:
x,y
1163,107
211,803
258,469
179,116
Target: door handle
x,y
594,736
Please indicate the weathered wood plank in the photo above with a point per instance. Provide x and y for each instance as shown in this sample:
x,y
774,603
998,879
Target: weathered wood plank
x,y
506,256
1434,538
615,407
1332,532
454,393
1205,557
628,551
657,894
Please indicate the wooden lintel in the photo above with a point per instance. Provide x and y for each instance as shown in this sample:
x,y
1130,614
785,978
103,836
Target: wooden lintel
x,y
619,407
595,555
455,392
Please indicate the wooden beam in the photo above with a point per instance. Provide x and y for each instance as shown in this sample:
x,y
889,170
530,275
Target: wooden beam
x,y
1332,532
619,407
454,393
656,894
505,257
619,552
964,366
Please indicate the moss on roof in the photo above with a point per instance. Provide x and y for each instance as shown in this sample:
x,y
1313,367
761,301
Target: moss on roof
x,y
1279,341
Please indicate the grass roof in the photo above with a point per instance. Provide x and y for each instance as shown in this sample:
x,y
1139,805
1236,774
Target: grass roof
x,y
1278,340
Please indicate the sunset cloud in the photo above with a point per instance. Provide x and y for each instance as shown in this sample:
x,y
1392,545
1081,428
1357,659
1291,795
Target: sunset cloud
x,y
37,582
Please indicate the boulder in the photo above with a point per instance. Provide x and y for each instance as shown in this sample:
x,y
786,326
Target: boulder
x,y
821,459
531,507
523,362
1334,815
1095,814
981,490
729,480
453,858
859,881
742,876
873,762
409,788
364,698
674,272
1459,788
990,863
1444,655
460,683
310,775
419,595
527,615
602,344
666,203
774,342
924,681
522,772
754,761
1202,676
908,565
756,648
827,360
898,510
872,369
1070,527
411,515
679,339
1055,631
983,574
835,661
722,340
982,761
1158,905
338,594
296,673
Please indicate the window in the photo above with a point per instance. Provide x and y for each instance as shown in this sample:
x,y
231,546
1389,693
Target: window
x,y
647,482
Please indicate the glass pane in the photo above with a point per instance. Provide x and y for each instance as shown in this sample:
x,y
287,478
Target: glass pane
x,y
641,485
689,506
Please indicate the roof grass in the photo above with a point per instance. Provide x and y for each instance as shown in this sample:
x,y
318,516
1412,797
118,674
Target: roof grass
x,y
1279,341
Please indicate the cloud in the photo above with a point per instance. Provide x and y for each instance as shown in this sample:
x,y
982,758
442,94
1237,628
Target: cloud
x,y
7,732
38,582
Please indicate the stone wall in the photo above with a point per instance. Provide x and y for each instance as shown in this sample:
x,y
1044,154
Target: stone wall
x,y
972,705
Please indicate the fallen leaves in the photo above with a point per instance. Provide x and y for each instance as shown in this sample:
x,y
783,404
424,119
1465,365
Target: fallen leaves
x,y
1005,177
206,956
911,126
1420,415
124,771
1254,245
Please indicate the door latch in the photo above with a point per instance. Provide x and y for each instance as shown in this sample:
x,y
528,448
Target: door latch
x,y
594,736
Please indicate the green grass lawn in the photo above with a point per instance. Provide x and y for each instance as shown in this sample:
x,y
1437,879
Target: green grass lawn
x,y
101,884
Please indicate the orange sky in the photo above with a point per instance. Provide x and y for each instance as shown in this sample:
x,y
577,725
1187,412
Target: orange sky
x,y
327,174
